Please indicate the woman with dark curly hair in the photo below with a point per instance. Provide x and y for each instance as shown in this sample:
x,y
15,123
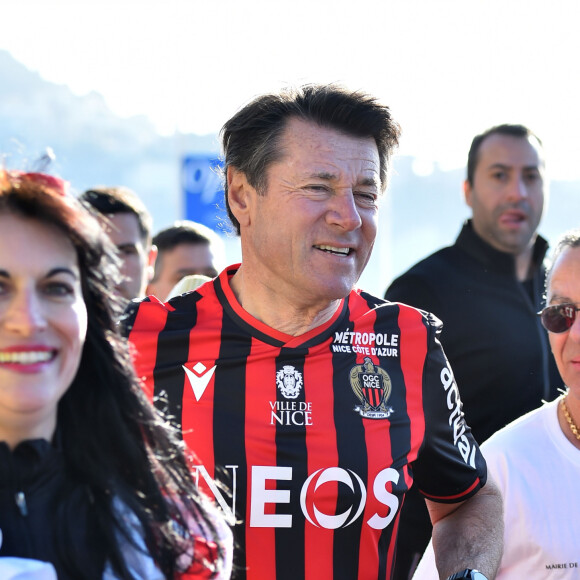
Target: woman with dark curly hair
x,y
92,479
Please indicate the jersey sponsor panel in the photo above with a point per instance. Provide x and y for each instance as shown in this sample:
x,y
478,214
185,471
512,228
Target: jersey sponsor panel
x,y
466,447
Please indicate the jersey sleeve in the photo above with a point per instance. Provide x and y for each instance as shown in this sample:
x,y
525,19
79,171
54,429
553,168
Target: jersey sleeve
x,y
450,467
141,324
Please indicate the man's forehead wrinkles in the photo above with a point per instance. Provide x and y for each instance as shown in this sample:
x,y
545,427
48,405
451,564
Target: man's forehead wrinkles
x,y
358,179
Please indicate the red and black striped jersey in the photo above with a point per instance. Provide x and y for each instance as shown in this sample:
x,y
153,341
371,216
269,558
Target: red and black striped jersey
x,y
316,437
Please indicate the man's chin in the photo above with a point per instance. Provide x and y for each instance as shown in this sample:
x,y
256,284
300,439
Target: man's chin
x,y
336,291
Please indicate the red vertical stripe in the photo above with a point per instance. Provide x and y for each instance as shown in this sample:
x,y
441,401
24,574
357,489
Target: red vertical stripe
x,y
149,322
413,352
260,450
197,416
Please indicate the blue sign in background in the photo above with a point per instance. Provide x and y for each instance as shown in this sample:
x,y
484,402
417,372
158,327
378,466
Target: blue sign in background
x,y
203,191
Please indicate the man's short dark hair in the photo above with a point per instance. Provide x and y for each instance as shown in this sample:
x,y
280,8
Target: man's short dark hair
x,y
183,232
186,232
519,131
112,200
250,139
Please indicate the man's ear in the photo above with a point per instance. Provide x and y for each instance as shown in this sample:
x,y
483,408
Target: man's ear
x,y
240,195
467,192
151,263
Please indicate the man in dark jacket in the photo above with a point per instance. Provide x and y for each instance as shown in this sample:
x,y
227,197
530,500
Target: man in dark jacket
x,y
486,289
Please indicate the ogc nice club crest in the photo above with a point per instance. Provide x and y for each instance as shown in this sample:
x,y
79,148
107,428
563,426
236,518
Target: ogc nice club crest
x,y
372,386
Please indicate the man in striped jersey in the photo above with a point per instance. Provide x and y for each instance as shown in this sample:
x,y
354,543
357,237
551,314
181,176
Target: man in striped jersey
x,y
315,403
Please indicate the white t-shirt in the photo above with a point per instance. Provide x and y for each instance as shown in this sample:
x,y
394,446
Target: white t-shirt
x,y
538,472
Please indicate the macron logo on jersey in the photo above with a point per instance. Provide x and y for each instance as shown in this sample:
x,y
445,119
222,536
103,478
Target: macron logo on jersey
x,y
199,378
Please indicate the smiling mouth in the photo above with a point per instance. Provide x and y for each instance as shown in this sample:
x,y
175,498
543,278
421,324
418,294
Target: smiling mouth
x,y
27,357
334,250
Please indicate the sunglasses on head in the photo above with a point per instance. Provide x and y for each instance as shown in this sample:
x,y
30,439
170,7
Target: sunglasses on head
x,y
558,318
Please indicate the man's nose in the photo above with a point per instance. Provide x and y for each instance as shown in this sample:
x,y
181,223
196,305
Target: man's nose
x,y
518,188
344,212
574,332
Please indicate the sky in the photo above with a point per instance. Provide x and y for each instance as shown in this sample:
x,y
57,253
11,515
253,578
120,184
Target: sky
x,y
447,68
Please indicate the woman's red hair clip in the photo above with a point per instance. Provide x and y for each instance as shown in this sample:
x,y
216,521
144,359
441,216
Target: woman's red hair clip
x,y
43,179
